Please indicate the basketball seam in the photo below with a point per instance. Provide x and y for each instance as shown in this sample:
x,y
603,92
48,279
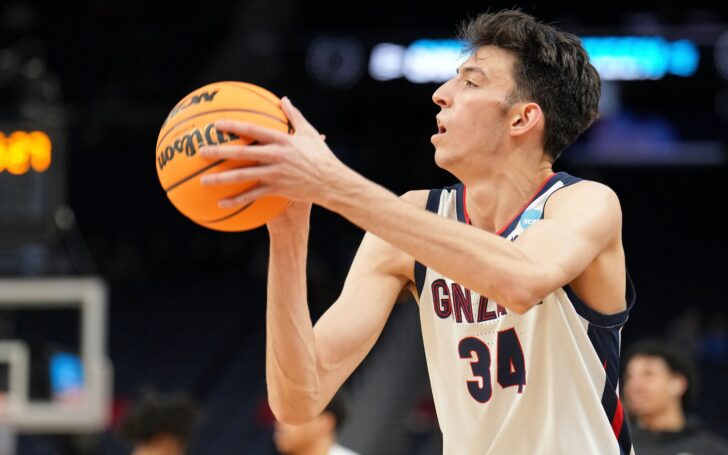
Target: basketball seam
x,y
172,128
194,174
199,171
243,86
229,215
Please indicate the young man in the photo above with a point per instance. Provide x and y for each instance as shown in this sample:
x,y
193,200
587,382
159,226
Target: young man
x,y
659,383
519,272
316,437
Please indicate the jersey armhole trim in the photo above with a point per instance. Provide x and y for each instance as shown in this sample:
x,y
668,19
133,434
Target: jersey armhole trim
x,y
433,205
566,180
605,321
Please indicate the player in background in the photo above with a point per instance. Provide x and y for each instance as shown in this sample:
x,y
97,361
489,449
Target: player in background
x,y
659,384
160,424
316,437
519,271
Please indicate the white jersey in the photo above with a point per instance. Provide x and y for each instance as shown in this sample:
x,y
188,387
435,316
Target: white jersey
x,y
336,449
544,382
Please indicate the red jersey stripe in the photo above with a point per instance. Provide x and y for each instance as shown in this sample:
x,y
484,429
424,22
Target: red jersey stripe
x,y
618,419
500,231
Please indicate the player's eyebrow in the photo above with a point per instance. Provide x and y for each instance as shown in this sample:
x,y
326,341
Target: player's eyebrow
x,y
471,69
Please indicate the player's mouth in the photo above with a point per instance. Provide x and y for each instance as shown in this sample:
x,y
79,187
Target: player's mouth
x,y
441,130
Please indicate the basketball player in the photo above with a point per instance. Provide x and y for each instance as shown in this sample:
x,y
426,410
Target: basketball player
x,y
160,424
519,271
659,385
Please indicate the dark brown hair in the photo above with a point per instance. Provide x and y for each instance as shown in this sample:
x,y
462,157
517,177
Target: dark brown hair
x,y
160,414
552,69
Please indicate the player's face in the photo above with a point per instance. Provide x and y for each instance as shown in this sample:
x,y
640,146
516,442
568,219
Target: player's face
x,y
473,119
650,387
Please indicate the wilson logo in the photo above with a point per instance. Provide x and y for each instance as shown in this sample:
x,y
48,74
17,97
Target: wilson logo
x,y
191,142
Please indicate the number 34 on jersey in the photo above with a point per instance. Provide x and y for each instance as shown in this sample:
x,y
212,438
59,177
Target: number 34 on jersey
x,y
509,364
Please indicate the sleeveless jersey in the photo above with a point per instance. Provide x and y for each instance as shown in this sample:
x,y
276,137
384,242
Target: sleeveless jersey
x,y
544,382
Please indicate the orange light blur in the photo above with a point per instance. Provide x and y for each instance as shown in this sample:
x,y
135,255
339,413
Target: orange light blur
x,y
20,151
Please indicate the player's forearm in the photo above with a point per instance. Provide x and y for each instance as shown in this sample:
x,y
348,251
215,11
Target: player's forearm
x,y
479,260
293,383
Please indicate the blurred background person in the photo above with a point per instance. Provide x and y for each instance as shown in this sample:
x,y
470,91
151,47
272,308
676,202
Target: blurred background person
x,y
659,386
317,437
160,424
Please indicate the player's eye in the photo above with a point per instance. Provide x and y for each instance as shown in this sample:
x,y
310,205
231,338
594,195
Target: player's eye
x,y
469,83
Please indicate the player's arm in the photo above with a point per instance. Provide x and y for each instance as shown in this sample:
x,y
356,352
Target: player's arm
x,y
582,223
306,365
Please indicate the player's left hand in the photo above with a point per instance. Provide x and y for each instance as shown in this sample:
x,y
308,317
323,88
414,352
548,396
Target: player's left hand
x,y
298,166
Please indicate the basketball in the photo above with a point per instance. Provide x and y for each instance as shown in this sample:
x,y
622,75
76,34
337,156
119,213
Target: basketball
x,y
188,127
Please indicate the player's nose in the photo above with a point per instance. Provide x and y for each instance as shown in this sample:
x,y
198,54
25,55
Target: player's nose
x,y
441,96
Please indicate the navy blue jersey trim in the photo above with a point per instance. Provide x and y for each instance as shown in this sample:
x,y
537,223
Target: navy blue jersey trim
x,y
603,320
566,179
614,412
433,205
459,203
606,343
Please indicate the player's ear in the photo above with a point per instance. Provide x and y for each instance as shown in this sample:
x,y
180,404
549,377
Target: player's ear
x,y
524,117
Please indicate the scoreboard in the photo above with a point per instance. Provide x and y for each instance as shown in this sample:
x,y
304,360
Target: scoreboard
x,y
32,181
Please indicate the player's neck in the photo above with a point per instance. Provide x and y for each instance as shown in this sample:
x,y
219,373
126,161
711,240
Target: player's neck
x,y
499,192
672,419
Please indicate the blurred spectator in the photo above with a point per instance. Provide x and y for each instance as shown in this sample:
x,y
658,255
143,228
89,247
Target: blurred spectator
x,y
659,385
160,424
317,437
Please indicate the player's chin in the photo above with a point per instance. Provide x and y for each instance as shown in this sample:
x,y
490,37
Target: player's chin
x,y
442,158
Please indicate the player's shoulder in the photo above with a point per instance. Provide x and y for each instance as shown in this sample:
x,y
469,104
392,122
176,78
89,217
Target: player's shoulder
x,y
417,197
585,195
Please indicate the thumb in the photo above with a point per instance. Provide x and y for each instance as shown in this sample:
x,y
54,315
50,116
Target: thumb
x,y
297,119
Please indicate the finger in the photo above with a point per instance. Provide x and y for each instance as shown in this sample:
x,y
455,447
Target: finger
x,y
259,133
246,197
238,175
265,154
297,119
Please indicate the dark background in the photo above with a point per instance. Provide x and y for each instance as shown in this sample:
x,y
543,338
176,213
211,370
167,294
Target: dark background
x,y
187,304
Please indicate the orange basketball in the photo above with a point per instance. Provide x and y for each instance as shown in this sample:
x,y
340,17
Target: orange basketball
x,y
189,126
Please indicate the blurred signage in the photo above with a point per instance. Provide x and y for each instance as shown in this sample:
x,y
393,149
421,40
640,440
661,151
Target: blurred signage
x,y
615,57
641,57
22,152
